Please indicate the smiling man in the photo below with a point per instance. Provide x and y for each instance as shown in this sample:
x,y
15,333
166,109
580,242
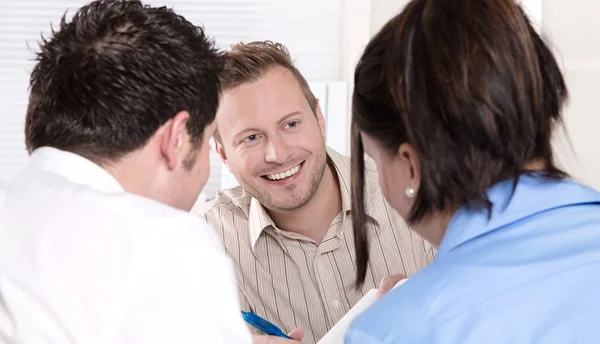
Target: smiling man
x,y
288,227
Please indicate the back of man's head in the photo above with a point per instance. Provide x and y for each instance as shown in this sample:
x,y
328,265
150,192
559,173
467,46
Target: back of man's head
x,y
109,78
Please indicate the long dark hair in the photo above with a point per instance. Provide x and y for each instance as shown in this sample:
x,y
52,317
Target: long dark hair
x,y
471,86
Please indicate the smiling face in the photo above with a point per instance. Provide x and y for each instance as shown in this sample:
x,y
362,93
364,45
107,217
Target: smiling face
x,y
272,141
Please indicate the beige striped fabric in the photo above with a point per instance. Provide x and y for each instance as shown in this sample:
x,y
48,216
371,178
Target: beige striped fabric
x,y
296,282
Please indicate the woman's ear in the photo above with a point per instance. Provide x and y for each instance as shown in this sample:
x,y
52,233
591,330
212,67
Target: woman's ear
x,y
410,158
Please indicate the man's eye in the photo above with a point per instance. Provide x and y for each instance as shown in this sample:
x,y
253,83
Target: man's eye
x,y
292,124
250,138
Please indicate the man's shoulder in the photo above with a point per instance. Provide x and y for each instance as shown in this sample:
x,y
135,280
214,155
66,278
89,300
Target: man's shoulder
x,y
372,186
370,166
227,215
338,158
113,214
148,213
371,173
230,200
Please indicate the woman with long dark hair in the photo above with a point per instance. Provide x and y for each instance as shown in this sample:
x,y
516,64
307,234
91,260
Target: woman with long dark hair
x,y
457,101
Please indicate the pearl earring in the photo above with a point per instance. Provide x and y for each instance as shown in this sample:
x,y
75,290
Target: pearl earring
x,y
410,192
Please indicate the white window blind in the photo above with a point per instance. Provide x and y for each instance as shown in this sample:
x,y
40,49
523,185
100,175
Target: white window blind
x,y
309,28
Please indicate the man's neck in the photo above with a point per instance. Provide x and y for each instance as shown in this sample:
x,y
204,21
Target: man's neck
x,y
134,173
314,218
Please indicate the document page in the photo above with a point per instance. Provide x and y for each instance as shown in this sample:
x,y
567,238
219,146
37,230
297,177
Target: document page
x,y
336,334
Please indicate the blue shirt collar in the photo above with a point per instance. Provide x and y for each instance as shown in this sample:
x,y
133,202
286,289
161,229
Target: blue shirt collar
x,y
533,194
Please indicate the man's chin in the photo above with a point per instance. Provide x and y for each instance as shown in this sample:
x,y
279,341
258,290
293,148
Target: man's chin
x,y
286,204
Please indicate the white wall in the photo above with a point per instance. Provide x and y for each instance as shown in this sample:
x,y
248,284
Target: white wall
x,y
384,10
574,30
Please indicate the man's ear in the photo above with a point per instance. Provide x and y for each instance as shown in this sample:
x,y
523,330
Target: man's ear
x,y
173,139
320,119
220,151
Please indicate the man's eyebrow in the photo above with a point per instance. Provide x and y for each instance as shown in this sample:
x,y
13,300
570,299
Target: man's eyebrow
x,y
286,117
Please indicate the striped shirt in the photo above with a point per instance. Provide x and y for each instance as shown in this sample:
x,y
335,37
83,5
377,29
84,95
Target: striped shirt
x,y
295,282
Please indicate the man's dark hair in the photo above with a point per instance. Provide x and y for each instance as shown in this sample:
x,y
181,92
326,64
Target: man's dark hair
x,y
109,78
472,87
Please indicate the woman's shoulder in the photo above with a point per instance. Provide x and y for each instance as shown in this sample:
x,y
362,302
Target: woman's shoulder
x,y
399,316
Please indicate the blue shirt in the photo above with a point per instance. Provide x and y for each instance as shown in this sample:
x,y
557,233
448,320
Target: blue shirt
x,y
528,274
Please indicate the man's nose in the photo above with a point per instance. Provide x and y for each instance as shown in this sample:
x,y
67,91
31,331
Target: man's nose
x,y
277,151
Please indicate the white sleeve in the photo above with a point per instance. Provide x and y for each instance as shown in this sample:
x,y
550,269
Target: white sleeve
x,y
185,289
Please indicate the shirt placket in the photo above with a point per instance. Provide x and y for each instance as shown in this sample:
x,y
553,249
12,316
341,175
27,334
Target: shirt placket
x,y
326,273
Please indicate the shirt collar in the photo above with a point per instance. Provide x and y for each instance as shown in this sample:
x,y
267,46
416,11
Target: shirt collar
x,y
73,167
259,219
342,168
533,194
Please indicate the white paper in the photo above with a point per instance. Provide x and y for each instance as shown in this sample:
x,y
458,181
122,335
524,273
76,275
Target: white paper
x,y
337,333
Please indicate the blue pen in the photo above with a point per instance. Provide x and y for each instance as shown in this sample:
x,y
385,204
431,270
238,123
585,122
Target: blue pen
x,y
263,325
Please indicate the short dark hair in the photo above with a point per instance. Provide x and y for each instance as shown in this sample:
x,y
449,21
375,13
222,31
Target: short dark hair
x,y
108,79
248,62
469,84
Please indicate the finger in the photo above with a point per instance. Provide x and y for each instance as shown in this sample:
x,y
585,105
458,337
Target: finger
x,y
297,334
382,291
388,282
385,285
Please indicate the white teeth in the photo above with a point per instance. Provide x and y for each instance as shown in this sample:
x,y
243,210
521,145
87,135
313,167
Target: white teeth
x,y
288,173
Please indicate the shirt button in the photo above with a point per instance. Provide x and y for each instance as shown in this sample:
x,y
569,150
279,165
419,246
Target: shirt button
x,y
335,304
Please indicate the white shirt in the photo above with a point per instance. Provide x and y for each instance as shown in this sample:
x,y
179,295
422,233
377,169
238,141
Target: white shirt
x,y
83,261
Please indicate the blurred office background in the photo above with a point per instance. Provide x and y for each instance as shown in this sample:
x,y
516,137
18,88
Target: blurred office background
x,y
326,38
